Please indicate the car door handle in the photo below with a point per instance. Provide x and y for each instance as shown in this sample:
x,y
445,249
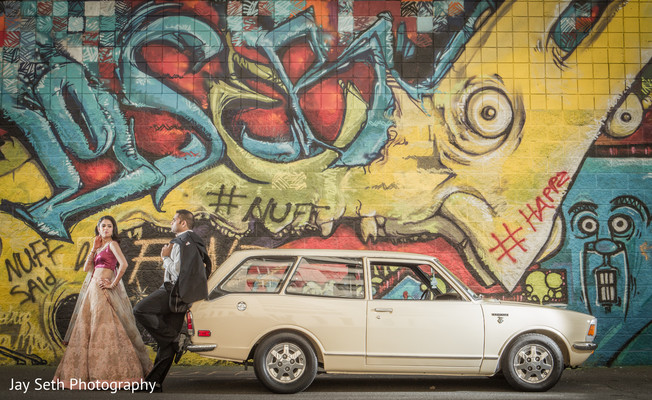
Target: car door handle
x,y
389,310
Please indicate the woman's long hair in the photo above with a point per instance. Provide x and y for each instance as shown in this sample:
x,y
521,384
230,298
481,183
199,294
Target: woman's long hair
x,y
114,234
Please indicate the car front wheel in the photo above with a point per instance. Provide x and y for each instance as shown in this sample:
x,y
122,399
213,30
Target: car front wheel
x,y
285,363
533,363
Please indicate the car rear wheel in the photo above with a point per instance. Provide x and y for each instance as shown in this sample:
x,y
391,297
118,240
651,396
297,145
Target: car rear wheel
x,y
533,363
285,363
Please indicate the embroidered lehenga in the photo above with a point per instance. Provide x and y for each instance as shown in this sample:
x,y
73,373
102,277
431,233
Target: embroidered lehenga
x,y
104,343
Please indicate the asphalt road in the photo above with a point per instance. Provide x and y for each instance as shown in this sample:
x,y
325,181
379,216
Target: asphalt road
x,y
220,382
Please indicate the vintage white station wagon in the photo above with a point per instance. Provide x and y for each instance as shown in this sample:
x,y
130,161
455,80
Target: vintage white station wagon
x,y
297,312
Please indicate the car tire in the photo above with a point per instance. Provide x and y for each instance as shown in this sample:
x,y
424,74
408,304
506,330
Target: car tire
x,y
285,363
533,363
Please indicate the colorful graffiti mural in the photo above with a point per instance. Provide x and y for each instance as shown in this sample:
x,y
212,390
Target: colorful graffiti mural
x,y
606,254
456,128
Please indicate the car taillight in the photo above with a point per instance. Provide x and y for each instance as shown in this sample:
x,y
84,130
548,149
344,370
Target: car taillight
x,y
191,330
204,333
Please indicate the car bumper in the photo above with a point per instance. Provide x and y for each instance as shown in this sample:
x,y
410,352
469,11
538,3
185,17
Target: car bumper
x,y
585,346
200,348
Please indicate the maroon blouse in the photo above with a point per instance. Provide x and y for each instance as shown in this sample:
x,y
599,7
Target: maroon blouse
x,y
106,259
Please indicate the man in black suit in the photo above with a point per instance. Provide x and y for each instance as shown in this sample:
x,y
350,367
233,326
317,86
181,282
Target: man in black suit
x,y
187,267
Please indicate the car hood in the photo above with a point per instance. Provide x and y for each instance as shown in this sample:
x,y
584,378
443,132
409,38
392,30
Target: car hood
x,y
500,305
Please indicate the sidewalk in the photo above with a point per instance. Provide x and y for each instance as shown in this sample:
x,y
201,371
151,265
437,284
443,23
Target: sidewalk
x,y
222,382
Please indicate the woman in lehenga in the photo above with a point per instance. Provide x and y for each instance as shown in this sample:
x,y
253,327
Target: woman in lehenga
x,y
104,343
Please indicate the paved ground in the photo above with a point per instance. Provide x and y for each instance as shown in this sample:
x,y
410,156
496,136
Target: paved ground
x,y
222,382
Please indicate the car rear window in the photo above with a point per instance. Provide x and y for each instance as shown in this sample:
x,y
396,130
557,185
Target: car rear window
x,y
260,275
329,278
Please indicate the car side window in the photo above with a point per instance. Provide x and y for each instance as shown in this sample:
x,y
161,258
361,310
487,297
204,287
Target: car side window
x,y
328,278
259,275
409,282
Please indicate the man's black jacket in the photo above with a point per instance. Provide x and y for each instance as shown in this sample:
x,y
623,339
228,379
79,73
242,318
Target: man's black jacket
x,y
195,267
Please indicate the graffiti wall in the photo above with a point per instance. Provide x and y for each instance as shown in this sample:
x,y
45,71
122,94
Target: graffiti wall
x,y
511,139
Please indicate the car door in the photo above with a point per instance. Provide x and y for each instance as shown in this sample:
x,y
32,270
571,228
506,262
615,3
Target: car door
x,y
325,296
416,321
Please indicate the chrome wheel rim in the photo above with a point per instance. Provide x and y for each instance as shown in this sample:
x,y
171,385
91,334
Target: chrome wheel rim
x,y
285,362
533,363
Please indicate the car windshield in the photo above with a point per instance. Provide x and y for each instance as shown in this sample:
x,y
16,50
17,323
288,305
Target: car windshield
x,y
459,283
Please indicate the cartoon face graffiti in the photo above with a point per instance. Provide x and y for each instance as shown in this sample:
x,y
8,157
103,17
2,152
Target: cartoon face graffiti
x,y
608,235
607,281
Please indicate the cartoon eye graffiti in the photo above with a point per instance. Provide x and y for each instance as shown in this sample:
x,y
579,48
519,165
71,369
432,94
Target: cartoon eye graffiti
x,y
485,119
489,112
588,225
626,119
620,225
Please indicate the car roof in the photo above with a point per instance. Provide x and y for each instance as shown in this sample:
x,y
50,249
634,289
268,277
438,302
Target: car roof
x,y
332,253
